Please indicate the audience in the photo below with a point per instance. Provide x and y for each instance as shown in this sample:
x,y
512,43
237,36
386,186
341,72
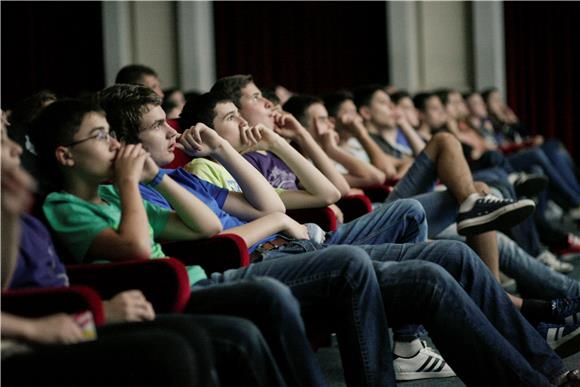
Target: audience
x,y
255,156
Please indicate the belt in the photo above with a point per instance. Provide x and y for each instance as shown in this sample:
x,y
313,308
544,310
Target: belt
x,y
256,255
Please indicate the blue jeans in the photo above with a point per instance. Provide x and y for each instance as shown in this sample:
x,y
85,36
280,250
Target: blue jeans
x,y
534,279
564,192
340,284
446,287
561,159
440,206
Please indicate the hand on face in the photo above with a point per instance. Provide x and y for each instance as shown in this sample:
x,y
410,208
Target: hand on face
x,y
17,189
353,123
287,126
130,164
259,137
329,140
199,141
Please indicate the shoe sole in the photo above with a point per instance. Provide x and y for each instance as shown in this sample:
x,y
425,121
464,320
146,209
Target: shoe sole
x,y
531,187
423,375
504,218
568,345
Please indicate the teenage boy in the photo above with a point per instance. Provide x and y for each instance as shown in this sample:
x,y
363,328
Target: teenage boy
x,y
137,74
200,140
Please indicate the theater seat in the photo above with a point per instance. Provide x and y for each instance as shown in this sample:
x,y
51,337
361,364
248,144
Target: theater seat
x,y
354,206
164,282
322,216
44,302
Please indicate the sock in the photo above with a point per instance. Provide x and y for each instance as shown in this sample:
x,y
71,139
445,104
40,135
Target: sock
x,y
469,202
536,310
407,348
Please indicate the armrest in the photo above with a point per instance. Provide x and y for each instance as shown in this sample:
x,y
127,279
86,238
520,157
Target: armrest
x,y
164,282
515,147
354,206
46,301
322,216
378,193
215,254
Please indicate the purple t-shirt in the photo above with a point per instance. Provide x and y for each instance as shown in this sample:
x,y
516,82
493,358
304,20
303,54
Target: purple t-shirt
x,y
38,265
278,174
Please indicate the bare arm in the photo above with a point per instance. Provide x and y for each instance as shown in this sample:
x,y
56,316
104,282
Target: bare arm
x,y
265,226
258,198
318,189
54,329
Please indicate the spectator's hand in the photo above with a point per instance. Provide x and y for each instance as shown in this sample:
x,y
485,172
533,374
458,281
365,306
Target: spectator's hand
x,y
294,229
260,137
129,163
353,123
329,140
56,329
200,140
17,189
128,306
538,140
287,126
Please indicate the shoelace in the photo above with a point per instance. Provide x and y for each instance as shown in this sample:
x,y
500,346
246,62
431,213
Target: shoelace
x,y
492,199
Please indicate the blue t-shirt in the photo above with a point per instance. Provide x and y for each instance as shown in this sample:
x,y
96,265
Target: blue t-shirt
x,y
213,196
403,143
38,265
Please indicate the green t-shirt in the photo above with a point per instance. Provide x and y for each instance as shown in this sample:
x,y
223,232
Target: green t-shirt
x,y
77,223
216,174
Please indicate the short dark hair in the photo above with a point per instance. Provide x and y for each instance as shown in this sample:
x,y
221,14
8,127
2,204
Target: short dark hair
x,y
232,86
399,95
270,95
333,101
125,106
364,94
298,104
420,100
201,109
443,94
56,126
133,73
25,111
486,93
469,94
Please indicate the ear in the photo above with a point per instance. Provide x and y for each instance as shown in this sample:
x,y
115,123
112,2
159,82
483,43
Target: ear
x,y
64,156
365,113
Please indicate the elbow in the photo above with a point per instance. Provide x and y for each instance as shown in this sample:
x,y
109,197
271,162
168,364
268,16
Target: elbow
x,y
378,177
343,190
211,230
140,250
332,197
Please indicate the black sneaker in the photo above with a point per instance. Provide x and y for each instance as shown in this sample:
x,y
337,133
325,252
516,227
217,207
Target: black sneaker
x,y
528,184
491,213
566,310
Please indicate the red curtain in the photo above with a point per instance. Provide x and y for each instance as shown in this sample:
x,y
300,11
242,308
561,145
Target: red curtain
x,y
306,46
543,62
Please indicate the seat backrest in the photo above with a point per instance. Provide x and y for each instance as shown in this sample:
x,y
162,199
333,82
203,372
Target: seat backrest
x,y
43,302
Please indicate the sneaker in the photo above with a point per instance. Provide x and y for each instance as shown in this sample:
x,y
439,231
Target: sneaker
x,y
490,213
528,184
566,310
563,339
550,260
426,364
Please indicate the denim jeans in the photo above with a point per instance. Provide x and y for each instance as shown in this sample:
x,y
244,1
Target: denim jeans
x,y
564,192
534,279
446,287
563,162
340,284
518,336
272,308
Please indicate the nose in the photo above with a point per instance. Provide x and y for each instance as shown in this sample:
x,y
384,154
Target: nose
x,y
114,144
267,103
242,122
170,131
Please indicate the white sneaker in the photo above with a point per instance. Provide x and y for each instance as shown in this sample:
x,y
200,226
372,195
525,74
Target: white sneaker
x,y
550,260
426,364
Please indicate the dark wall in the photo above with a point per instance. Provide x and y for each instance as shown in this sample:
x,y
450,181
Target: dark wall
x,y
306,46
543,58
54,45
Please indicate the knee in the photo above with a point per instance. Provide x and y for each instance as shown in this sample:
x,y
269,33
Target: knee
x,y
444,140
411,208
275,296
459,253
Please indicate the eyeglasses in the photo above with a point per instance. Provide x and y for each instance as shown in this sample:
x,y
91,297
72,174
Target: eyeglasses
x,y
100,136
